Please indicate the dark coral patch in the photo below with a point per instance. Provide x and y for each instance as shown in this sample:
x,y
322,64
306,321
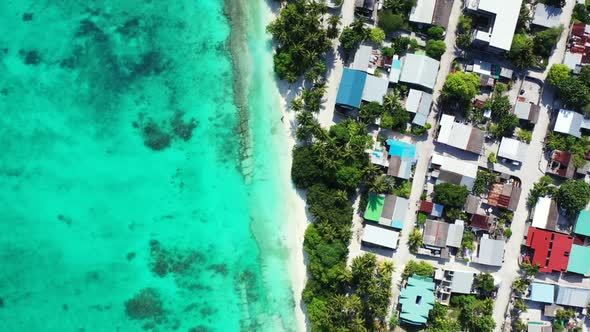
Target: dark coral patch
x,y
147,304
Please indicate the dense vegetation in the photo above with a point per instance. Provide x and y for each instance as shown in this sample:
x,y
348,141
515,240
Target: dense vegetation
x,y
392,114
301,40
527,51
353,35
579,147
466,313
483,181
395,14
459,89
574,91
450,195
504,122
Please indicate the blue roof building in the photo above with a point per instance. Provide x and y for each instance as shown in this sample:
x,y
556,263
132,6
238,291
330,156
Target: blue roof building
x,y
351,88
544,293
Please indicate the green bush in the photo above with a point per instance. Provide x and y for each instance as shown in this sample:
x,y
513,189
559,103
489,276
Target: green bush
x,y
450,195
435,48
390,22
436,32
377,35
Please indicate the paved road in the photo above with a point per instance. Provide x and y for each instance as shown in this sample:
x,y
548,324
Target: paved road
x,y
335,67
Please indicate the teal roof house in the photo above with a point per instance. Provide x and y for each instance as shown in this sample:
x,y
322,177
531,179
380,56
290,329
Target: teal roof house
x,y
416,300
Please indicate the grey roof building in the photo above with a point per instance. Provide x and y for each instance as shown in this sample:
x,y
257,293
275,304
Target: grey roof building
x,y
362,57
375,88
490,251
571,122
420,70
573,297
435,233
512,149
526,111
459,135
419,103
380,236
546,16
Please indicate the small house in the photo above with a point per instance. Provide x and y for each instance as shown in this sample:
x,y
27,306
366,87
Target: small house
x,y
490,252
459,135
419,71
526,112
546,16
513,150
378,236
419,103
387,210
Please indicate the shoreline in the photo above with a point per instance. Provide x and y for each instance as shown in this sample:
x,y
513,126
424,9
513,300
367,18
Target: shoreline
x,y
299,218
296,219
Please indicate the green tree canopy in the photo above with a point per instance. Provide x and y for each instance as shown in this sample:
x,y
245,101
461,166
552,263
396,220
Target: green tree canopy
x,y
436,32
450,195
415,240
573,196
521,50
546,40
421,268
461,85
558,73
302,40
484,283
352,35
435,48
573,93
390,22
377,35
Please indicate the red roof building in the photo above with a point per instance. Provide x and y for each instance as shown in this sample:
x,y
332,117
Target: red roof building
x,y
480,222
551,250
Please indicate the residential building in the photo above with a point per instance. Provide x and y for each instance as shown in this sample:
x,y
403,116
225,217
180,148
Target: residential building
x,y
375,88
526,111
504,195
479,222
549,250
546,215
395,70
579,261
435,234
502,16
578,53
513,150
402,157
490,251
571,123
546,16
375,235
387,210
561,164
416,300
539,326
350,91
419,103
455,171
419,71
472,204
357,86
452,281
455,234
364,7
362,59
542,293
459,135
432,12
432,209
583,224
573,297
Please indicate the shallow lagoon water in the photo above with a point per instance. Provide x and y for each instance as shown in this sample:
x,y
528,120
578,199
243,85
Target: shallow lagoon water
x,y
125,202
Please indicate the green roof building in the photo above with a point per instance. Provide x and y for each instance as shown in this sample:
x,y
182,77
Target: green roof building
x,y
387,210
583,223
416,300
579,262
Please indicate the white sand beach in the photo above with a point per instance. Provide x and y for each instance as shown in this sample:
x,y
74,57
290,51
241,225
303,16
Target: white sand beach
x,y
296,218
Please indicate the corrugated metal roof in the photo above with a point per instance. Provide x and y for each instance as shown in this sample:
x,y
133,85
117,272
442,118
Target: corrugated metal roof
x,y
416,300
544,293
375,88
462,282
351,88
380,236
568,122
491,252
435,233
546,16
423,11
512,149
583,223
455,234
574,297
420,70
578,260
362,57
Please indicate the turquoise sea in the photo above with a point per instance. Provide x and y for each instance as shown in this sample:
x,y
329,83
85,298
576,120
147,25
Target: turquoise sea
x,y
134,193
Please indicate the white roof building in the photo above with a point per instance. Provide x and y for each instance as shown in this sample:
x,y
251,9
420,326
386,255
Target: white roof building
x,y
546,16
375,88
462,282
482,68
571,122
419,102
504,23
423,11
456,171
572,60
420,70
455,234
541,212
459,135
512,149
490,251
380,236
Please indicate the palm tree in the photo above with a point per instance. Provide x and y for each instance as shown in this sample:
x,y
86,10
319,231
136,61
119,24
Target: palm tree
x,y
387,267
304,119
371,172
296,104
378,185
